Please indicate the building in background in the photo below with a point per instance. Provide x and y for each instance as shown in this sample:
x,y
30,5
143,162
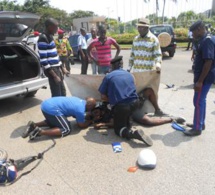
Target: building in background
x,y
87,23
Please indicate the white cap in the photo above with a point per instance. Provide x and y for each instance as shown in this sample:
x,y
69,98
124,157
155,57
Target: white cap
x,y
147,159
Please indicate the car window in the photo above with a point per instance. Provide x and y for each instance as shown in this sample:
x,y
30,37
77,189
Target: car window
x,y
160,29
12,30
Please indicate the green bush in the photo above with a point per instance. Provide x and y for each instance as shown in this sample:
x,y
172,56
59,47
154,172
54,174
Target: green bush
x,y
127,38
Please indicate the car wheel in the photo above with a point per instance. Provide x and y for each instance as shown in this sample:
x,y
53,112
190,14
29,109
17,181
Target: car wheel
x,y
31,94
171,53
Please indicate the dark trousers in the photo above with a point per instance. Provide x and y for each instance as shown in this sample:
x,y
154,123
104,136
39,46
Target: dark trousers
x,y
57,89
65,62
84,62
122,114
199,101
190,43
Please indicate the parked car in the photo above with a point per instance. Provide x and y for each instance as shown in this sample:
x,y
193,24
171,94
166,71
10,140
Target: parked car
x,y
73,40
167,32
20,70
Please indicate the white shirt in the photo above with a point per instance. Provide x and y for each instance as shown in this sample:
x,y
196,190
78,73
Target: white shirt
x,y
82,42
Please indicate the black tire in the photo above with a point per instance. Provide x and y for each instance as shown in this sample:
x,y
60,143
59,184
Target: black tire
x,y
31,94
171,53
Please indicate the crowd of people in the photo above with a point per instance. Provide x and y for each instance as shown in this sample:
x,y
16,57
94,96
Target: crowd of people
x,y
118,88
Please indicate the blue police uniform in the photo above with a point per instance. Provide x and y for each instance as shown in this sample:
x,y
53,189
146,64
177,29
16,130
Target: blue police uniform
x,y
205,51
120,89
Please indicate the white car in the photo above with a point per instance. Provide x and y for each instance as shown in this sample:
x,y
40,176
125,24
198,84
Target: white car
x,y
20,70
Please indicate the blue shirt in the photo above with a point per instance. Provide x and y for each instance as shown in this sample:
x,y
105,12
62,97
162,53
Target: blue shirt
x,y
119,86
205,50
65,106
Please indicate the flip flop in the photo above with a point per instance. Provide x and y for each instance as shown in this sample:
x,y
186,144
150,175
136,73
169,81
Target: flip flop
x,y
178,127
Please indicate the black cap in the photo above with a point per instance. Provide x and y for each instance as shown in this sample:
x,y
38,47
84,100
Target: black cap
x,y
116,59
196,25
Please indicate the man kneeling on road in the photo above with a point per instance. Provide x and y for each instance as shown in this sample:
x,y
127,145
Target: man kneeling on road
x,y
56,110
118,88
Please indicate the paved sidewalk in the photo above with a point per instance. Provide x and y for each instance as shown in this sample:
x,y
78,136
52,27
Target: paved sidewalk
x,y
84,162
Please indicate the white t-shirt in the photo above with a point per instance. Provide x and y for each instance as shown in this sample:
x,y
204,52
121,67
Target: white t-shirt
x,y
82,42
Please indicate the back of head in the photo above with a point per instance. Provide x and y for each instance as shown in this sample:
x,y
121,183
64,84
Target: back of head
x,y
51,22
117,63
90,103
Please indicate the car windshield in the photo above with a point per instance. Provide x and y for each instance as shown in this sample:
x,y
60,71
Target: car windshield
x,y
12,30
160,29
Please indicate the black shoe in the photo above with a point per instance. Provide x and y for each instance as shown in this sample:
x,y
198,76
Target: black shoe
x,y
179,120
191,125
139,134
35,133
192,132
30,127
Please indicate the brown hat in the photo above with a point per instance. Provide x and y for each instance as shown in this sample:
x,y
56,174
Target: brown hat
x,y
143,22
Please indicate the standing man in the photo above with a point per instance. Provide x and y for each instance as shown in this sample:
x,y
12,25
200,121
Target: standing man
x,y
145,52
103,47
82,45
118,88
49,58
190,40
93,50
64,50
204,75
56,110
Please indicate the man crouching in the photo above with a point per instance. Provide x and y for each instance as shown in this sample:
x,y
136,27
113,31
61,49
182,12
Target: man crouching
x,y
56,110
118,88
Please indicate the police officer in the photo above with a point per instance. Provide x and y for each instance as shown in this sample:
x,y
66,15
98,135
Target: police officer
x,y
118,88
204,75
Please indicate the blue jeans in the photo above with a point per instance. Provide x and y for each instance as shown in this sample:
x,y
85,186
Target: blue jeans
x,y
199,102
94,68
103,69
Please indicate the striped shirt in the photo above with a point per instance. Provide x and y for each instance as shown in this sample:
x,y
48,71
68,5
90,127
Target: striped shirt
x,y
48,52
145,53
103,50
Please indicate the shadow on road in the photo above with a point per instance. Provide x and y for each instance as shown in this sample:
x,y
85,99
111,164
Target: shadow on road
x,y
172,139
107,137
17,104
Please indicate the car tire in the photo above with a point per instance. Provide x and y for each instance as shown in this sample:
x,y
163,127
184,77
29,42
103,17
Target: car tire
x,y
31,94
171,53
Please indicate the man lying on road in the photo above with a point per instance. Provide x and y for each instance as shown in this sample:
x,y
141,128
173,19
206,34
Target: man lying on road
x,y
105,117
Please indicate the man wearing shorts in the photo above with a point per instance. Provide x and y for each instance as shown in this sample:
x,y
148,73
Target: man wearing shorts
x,y
56,110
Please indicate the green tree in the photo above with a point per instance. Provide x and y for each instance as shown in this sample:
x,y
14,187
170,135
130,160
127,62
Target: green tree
x,y
9,5
157,8
186,18
34,5
81,14
60,15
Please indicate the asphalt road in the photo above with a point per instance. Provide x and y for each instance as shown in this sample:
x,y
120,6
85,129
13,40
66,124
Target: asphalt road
x,y
84,162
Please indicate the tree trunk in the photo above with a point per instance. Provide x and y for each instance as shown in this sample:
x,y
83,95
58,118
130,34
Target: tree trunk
x,y
157,8
164,3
